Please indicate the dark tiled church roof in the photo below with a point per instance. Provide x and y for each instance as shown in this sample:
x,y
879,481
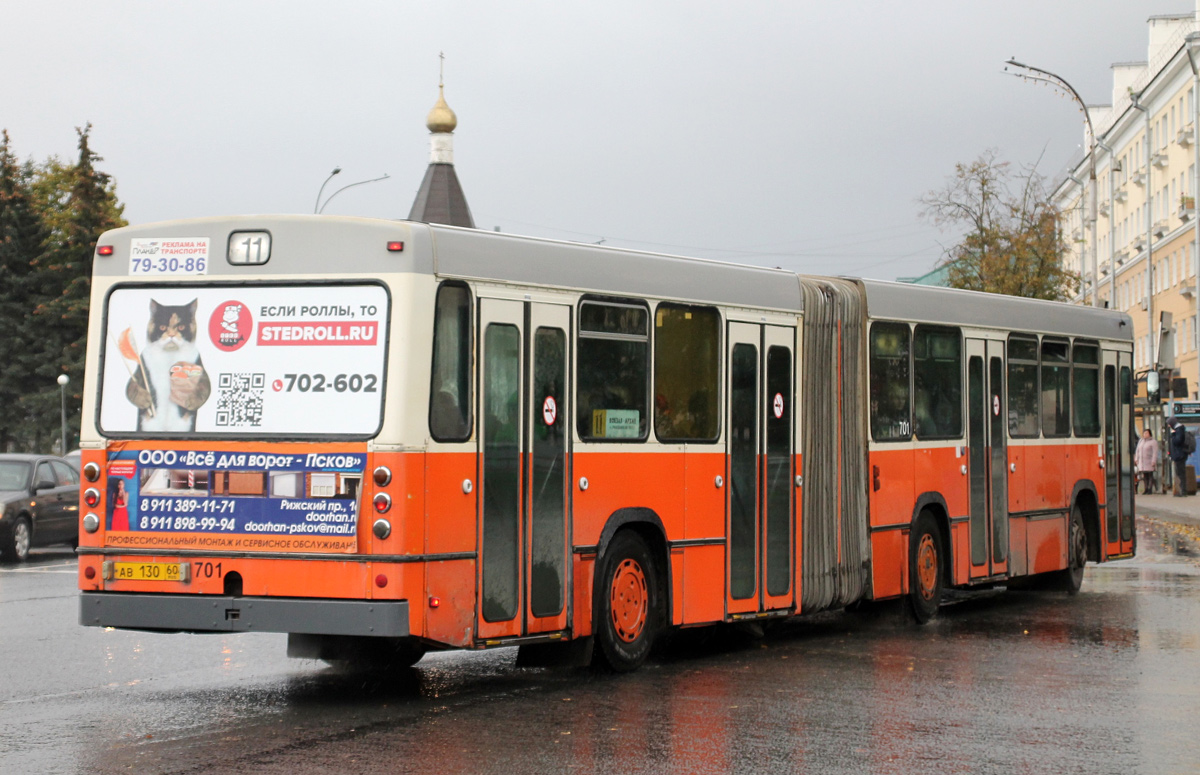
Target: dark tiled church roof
x,y
440,198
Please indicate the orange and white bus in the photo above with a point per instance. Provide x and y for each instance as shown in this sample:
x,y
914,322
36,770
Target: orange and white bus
x,y
384,437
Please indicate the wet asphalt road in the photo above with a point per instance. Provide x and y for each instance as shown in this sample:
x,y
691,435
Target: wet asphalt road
x,y
1105,682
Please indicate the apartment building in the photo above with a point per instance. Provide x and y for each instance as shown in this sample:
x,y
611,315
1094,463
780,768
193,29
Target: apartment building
x,y
1139,253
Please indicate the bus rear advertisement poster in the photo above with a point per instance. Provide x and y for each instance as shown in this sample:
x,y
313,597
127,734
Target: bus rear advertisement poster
x,y
255,359
199,499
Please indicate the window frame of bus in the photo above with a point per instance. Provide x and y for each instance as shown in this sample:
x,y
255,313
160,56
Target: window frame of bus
x,y
583,425
468,350
1094,367
1044,364
871,383
1035,362
714,384
919,329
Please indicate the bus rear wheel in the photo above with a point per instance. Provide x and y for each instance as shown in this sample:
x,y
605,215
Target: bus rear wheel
x,y
1071,579
925,569
628,607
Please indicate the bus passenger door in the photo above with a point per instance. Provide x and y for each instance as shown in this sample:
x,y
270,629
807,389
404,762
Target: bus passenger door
x,y
1118,456
987,457
522,468
760,530
546,469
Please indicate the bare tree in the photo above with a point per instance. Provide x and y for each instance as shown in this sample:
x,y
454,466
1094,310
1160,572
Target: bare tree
x,y
1011,242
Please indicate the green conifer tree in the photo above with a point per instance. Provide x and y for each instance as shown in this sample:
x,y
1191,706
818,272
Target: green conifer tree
x,y
78,204
22,237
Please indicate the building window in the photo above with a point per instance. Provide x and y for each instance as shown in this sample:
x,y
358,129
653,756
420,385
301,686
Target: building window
x,y
687,349
614,356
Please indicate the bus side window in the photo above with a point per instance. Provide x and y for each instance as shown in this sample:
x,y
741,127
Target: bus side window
x,y
1085,388
1056,386
937,383
687,348
1022,387
891,404
450,383
614,371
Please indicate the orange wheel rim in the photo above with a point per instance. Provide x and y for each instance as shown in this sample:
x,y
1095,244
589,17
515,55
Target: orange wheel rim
x,y
927,566
629,601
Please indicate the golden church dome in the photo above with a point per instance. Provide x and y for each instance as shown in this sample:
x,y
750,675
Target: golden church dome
x,y
441,118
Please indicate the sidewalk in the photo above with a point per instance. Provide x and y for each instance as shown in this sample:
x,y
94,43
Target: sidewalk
x,y
1168,508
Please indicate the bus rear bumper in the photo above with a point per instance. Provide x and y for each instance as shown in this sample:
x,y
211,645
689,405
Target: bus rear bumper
x,y
224,613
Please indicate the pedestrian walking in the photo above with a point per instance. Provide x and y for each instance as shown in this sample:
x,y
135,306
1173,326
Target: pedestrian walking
x,y
1146,459
1177,450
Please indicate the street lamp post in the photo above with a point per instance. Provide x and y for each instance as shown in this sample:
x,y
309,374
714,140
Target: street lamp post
x,y
63,379
352,185
1054,80
320,191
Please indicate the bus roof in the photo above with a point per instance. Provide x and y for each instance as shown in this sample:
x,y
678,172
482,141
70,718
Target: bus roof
x,y
309,244
952,306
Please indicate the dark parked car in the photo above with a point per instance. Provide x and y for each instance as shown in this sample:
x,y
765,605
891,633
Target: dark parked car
x,y
39,498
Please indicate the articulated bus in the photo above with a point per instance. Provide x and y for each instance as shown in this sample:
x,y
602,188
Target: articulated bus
x,y
384,437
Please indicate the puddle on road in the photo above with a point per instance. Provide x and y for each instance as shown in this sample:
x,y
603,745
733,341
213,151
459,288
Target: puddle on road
x,y
1162,540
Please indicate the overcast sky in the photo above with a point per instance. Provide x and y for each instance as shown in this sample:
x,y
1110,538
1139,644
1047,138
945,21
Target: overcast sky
x,y
794,134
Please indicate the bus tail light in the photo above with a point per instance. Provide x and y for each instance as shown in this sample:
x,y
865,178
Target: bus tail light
x,y
91,496
381,581
434,602
382,476
104,250
89,573
91,472
395,246
91,523
382,502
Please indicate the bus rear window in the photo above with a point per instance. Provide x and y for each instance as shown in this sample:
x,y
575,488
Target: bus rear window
x,y
253,360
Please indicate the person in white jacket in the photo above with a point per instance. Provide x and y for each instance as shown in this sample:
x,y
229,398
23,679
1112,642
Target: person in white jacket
x,y
1145,457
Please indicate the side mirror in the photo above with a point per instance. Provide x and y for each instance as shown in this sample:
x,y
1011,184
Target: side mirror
x,y
44,485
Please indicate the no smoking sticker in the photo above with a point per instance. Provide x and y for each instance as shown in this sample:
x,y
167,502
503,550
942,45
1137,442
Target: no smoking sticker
x,y
777,406
996,405
549,410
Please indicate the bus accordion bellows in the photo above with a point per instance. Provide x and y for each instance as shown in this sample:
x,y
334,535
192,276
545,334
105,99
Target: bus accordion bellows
x,y
385,437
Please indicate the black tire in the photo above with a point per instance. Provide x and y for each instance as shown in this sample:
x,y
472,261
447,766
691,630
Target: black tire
x,y
925,569
627,575
17,543
1071,579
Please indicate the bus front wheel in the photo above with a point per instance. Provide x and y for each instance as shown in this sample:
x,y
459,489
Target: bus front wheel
x,y
628,604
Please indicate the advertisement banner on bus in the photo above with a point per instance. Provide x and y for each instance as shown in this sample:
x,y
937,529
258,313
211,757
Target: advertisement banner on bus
x,y
294,361
236,501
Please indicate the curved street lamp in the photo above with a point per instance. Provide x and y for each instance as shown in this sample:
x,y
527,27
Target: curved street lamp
x,y
1045,76
343,188
336,170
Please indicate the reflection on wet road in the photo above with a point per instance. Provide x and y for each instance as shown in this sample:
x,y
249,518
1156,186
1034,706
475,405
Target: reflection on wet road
x,y
1108,681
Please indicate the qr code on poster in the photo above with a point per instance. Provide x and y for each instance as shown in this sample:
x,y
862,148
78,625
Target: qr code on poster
x,y
240,400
